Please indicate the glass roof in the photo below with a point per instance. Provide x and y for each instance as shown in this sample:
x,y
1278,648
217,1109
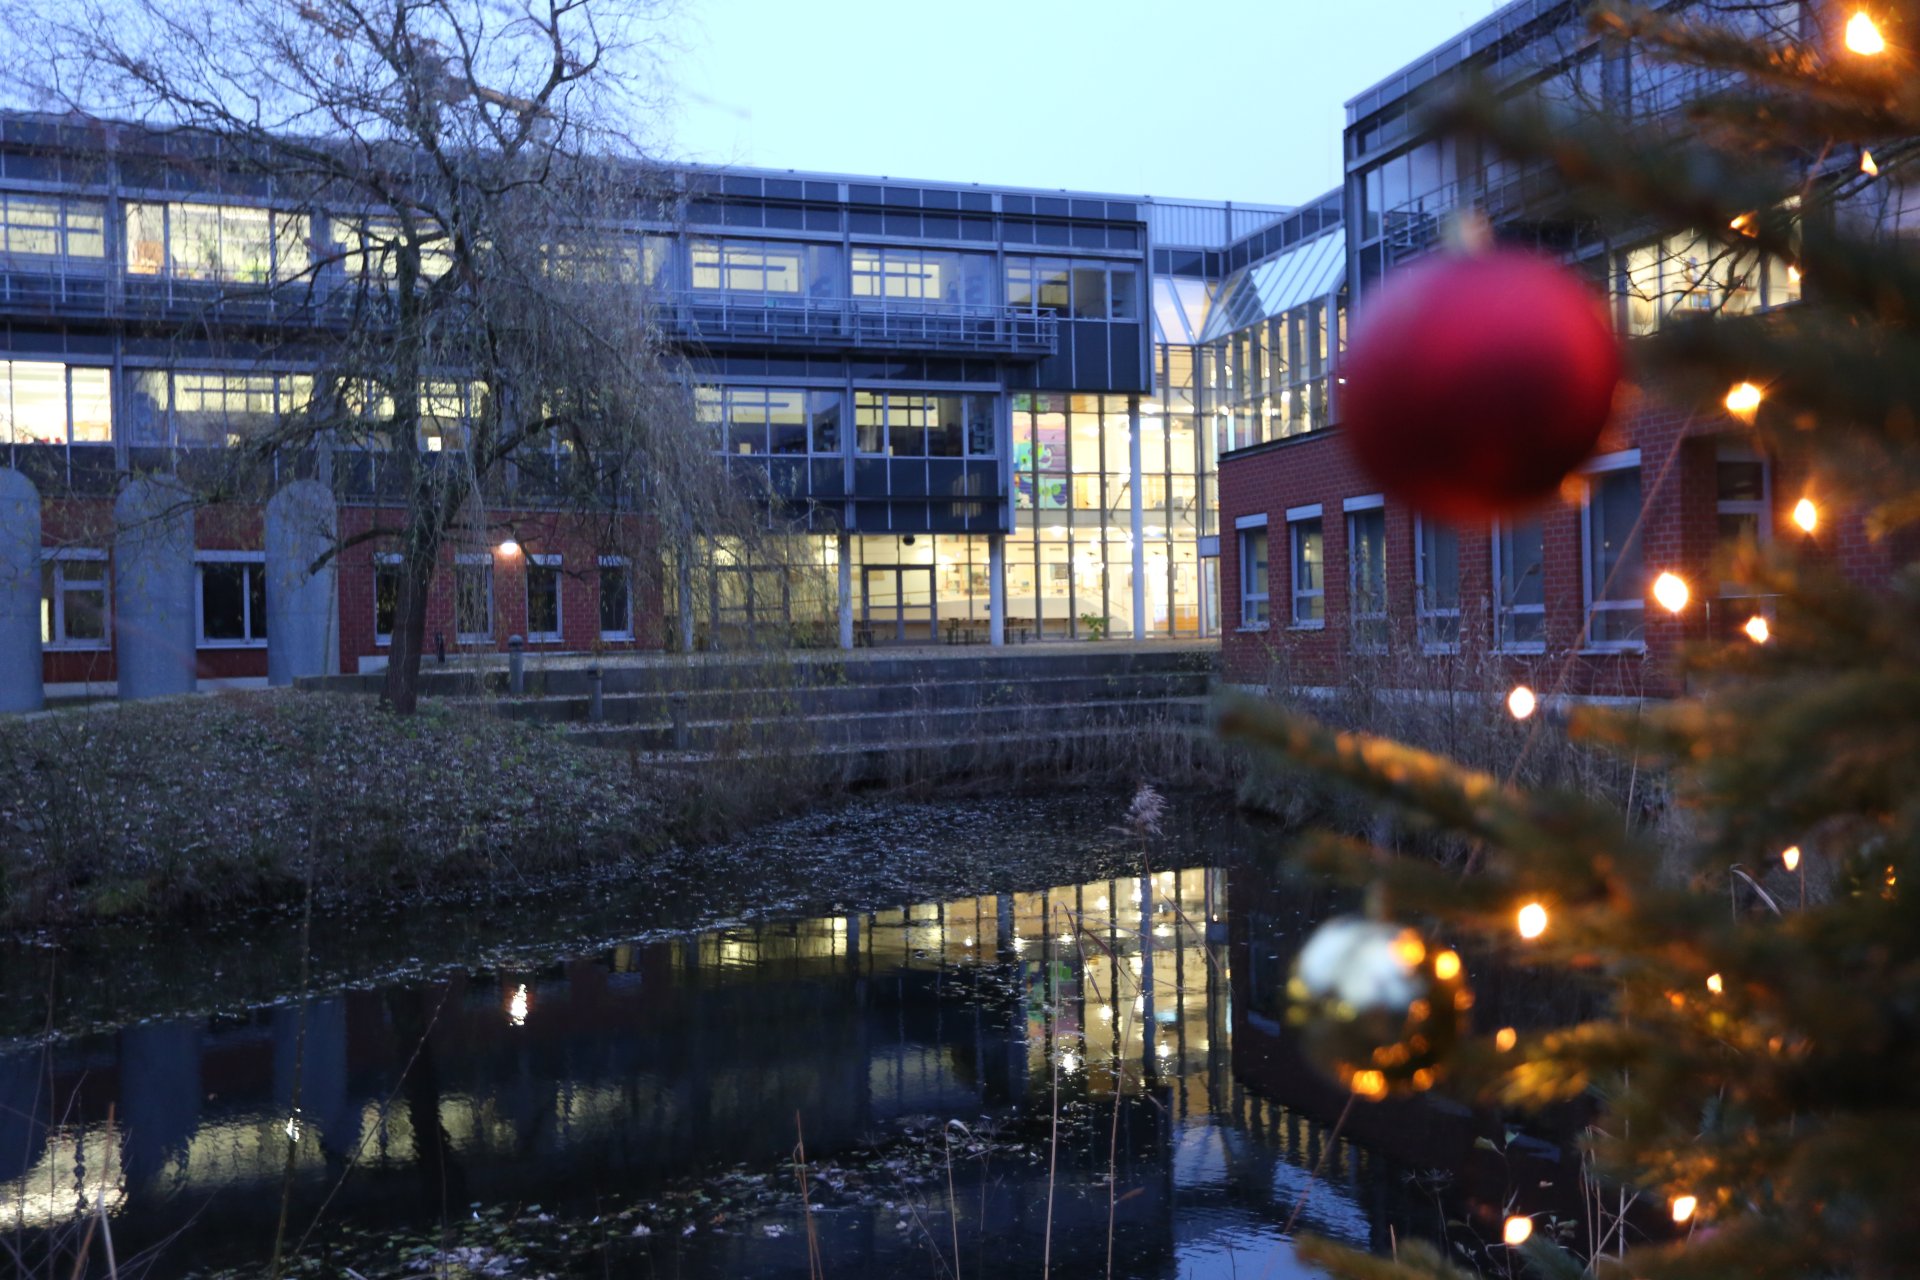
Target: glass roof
x,y
1311,269
1180,306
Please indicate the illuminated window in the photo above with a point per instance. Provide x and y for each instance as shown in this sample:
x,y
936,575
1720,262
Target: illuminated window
x,y
236,243
1693,274
209,407
1437,585
923,426
1743,517
74,591
52,228
45,402
748,266
369,249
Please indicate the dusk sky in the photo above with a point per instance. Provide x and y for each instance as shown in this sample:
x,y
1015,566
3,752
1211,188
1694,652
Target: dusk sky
x,y
1213,99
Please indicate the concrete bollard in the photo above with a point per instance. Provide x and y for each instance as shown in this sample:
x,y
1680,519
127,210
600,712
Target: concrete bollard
x,y
596,706
153,590
678,703
516,666
302,526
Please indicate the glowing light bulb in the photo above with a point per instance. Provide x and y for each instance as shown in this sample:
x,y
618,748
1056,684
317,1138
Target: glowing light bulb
x,y
1757,629
1743,400
1671,591
1505,1038
1683,1207
1867,165
1409,950
967,943
517,1007
1793,273
1714,984
1521,702
1790,857
1369,1084
509,549
1518,1228
1863,36
1743,224
1806,515
1446,966
1532,920
1163,1050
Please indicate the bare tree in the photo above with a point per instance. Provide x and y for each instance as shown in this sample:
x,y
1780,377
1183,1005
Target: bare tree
x,y
474,296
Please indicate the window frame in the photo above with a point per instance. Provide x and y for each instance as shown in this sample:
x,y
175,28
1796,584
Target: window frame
x,y
1258,603
1424,610
545,561
1761,508
255,564
54,599
1370,508
385,562
1600,469
1503,531
624,568
285,228
67,369
475,560
1301,521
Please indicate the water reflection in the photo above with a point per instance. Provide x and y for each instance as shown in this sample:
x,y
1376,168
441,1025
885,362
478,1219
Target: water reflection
x,y
1150,1028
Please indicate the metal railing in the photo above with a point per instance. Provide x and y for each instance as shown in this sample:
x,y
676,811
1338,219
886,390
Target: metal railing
x,y
87,291
720,319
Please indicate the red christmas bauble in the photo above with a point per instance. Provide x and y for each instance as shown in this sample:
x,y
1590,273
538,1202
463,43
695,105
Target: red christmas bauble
x,y
1475,383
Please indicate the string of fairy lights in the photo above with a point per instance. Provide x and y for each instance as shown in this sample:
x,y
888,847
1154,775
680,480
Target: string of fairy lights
x,y
1862,36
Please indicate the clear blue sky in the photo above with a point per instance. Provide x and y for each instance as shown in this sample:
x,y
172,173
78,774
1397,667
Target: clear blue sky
x,y
1214,99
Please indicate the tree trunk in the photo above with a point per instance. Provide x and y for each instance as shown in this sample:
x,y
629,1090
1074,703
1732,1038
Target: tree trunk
x,y
402,689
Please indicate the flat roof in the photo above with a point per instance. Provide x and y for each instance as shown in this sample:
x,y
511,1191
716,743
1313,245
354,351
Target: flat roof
x,y
1444,57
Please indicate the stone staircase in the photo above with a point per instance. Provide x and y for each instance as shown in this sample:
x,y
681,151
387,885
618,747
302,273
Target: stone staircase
x,y
865,706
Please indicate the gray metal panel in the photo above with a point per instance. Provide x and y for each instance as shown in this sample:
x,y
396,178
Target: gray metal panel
x,y
20,668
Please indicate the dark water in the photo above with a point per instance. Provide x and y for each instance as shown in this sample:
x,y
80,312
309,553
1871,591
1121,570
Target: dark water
x,y
976,1079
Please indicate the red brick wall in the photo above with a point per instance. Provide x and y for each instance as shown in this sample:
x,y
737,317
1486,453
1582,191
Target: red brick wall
x,y
578,540
1678,532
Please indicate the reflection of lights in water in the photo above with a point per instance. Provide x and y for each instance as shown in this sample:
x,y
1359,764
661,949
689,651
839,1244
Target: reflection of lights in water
x,y
1019,943
1163,931
1066,935
517,1007
1163,1050
293,1127
1068,1062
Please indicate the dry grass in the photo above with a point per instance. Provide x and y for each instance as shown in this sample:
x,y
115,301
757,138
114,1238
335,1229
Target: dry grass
x,y
212,802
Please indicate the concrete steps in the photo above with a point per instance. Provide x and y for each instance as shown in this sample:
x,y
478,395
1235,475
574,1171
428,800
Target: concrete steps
x,y
836,732
811,701
861,715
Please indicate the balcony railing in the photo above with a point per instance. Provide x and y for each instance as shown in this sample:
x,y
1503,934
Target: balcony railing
x,y
53,291
718,320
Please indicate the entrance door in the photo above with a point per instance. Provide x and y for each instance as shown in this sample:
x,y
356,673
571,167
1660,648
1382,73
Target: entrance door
x,y
897,603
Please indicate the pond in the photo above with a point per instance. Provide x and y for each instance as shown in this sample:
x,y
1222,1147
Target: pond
x,y
1083,1071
